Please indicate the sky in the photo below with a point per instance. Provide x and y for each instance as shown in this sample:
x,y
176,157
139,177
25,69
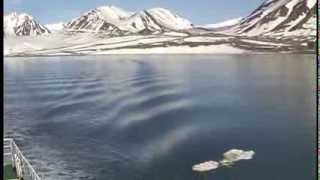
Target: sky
x,y
197,11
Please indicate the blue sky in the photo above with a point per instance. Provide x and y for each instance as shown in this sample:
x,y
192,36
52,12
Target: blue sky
x,y
197,11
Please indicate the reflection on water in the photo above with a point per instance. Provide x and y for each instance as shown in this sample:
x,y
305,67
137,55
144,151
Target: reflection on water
x,y
154,117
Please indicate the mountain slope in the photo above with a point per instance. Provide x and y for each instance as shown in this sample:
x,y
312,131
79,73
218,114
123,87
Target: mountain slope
x,y
223,24
55,27
22,24
113,20
169,20
278,16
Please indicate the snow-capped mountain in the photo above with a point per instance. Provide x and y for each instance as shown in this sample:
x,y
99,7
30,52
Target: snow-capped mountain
x,y
283,17
22,24
99,19
114,20
275,26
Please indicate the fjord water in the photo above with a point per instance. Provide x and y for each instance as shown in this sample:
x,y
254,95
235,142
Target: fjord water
x,y
154,116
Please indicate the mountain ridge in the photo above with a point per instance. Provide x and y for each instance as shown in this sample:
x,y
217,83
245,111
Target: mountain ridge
x,y
110,19
275,26
274,16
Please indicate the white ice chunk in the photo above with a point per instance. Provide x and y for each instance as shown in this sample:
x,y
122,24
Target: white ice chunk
x,y
206,166
234,155
229,158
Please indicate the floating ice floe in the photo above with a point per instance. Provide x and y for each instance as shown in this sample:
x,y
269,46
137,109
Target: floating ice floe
x,y
229,158
234,155
206,166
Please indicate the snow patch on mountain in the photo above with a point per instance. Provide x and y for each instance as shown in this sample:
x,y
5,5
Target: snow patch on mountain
x,y
113,14
137,23
230,22
55,27
168,19
89,43
311,3
307,30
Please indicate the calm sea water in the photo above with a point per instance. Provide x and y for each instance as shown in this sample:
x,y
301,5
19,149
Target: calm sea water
x,y
153,117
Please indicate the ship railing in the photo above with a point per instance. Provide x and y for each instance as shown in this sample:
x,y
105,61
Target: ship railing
x,y
21,165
